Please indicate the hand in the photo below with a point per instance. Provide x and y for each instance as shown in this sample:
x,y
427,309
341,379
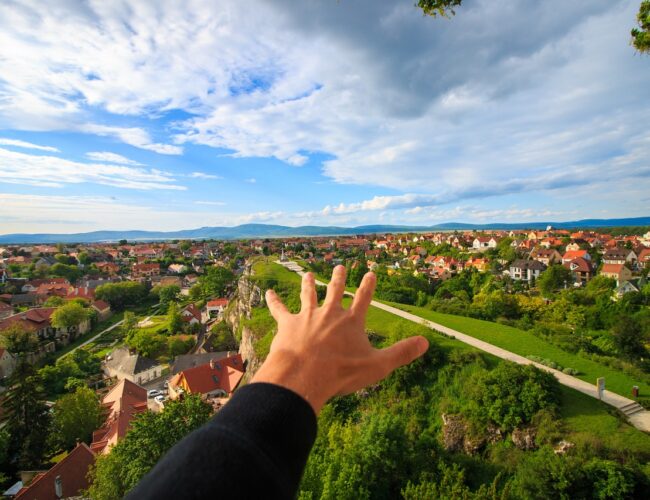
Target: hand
x,y
324,351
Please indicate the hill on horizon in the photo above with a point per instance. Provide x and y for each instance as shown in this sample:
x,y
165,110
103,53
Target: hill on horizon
x,y
246,231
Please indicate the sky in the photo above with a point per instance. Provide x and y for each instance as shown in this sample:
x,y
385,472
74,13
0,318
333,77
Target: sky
x,y
178,114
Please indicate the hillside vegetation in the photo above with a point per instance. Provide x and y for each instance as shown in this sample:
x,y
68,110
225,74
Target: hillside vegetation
x,y
459,423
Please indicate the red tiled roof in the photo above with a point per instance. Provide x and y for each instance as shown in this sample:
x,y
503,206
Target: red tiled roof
x,y
122,403
100,305
33,319
222,374
72,471
612,268
218,303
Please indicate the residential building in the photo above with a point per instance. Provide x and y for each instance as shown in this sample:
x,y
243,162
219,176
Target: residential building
x,y
215,307
217,378
67,479
619,255
121,404
581,269
526,270
617,271
547,256
126,364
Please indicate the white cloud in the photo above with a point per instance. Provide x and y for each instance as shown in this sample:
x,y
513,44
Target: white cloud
x,y
133,136
27,145
252,180
108,157
50,171
201,175
538,90
213,203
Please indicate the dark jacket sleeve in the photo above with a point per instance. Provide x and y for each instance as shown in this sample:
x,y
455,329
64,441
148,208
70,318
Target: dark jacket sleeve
x,y
256,446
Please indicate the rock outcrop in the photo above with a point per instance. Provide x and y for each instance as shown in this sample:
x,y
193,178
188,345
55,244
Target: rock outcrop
x,y
524,439
248,296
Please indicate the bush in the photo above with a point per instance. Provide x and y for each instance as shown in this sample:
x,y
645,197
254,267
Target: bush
x,y
511,394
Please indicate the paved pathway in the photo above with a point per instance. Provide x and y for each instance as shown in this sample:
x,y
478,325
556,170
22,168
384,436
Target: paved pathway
x,y
635,413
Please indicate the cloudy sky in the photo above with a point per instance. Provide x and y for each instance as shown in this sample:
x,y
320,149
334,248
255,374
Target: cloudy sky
x,y
173,114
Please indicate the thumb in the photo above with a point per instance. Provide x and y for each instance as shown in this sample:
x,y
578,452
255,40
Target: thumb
x,y
403,352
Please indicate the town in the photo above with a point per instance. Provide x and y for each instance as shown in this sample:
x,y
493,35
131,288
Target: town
x,y
96,335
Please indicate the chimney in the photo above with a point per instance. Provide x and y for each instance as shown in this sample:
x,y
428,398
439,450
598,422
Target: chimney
x,y
212,364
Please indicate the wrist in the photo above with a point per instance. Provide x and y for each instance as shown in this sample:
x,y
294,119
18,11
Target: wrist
x,y
288,370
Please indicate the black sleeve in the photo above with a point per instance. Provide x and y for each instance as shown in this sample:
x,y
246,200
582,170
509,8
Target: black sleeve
x,y
256,446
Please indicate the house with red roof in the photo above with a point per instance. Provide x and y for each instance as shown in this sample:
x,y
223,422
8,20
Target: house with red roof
x,y
66,479
146,270
121,404
103,309
5,310
217,378
581,270
617,271
191,314
215,307
570,255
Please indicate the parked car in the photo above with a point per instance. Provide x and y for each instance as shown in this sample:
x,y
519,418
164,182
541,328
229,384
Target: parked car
x,y
153,393
159,399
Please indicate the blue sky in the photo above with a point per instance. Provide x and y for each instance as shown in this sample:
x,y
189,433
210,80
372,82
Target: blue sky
x,y
179,114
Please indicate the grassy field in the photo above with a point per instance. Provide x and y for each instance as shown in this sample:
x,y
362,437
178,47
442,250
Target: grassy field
x,y
525,343
265,269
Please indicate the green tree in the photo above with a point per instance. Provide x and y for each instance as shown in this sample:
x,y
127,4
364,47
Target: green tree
x,y
174,318
145,342
553,279
166,294
129,324
27,416
151,435
435,8
222,338
641,34
511,394
70,315
120,295
628,338
75,417
83,258
215,281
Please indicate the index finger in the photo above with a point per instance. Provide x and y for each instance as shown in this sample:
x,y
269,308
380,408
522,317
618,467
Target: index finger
x,y
336,287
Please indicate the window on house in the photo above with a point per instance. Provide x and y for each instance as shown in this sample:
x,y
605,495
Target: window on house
x,y
215,378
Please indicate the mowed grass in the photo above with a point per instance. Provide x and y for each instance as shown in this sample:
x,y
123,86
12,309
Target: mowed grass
x,y
267,269
525,343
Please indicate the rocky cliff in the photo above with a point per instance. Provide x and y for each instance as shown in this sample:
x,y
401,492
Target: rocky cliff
x,y
248,296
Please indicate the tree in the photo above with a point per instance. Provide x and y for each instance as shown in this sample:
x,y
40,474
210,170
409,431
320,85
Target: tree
x,y
222,338
146,343
151,435
174,318
129,324
628,338
511,394
83,258
166,294
435,8
28,417
120,295
75,417
553,279
70,315
641,35
215,281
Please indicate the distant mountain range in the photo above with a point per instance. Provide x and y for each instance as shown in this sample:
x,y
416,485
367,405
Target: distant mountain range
x,y
246,231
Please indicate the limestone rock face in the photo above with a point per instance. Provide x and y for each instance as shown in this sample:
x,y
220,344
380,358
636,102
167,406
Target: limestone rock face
x,y
248,296
456,436
524,439
563,447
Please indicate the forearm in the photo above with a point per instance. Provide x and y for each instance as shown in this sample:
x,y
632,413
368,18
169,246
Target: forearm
x,y
255,447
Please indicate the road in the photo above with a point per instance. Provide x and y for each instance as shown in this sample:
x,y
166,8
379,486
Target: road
x,y
636,415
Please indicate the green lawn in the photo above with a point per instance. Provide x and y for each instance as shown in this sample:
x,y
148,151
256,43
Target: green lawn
x,y
266,269
115,318
525,343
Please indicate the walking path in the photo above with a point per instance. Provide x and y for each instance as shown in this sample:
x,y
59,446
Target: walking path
x,y
636,414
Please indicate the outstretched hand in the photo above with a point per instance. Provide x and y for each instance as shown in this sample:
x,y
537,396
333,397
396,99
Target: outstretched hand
x,y
324,351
